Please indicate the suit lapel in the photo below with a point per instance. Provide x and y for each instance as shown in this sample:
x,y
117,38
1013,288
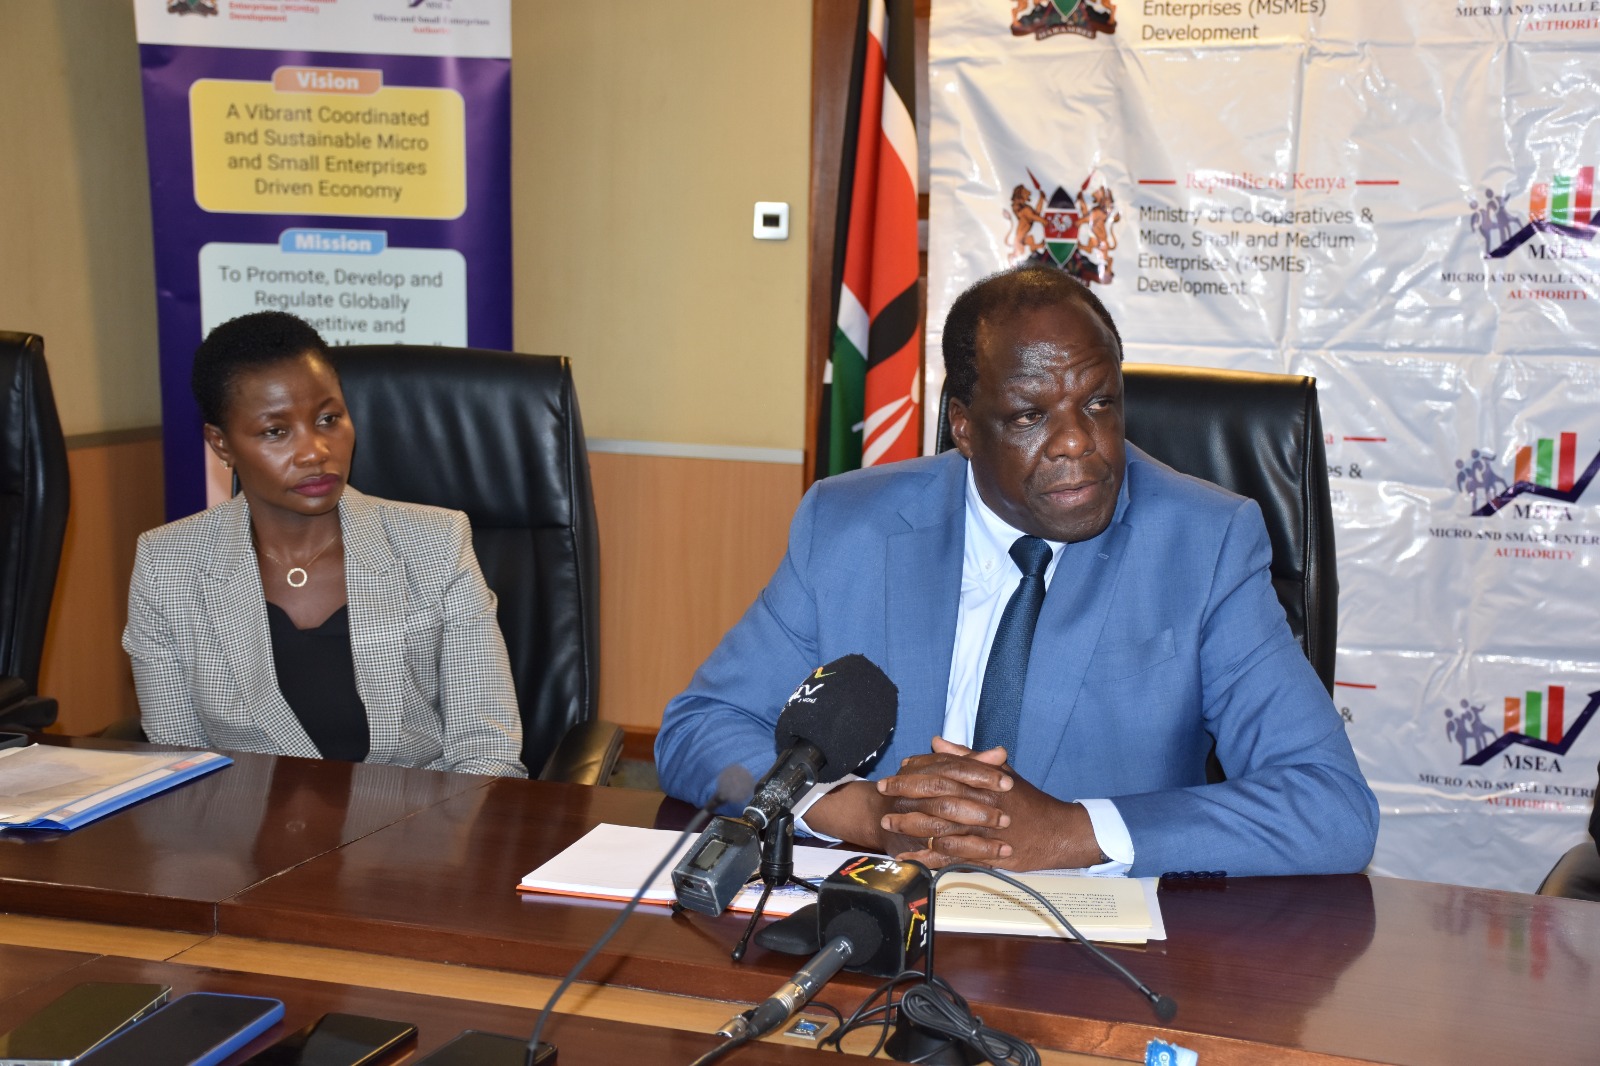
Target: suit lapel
x,y
924,595
237,608
376,588
1074,612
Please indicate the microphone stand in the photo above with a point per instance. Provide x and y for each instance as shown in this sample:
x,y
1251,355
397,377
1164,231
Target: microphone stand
x,y
777,870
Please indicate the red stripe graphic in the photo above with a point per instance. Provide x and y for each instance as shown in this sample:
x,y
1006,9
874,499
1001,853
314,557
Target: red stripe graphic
x,y
1567,465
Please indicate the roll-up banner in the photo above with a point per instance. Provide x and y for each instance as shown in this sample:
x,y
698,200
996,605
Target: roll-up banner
x,y
347,161
1400,201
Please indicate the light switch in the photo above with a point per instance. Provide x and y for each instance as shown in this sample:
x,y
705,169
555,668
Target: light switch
x,y
772,221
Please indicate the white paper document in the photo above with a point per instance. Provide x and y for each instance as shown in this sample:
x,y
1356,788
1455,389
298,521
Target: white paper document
x,y
611,861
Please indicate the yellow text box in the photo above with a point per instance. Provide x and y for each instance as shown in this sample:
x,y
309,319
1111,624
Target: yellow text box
x,y
398,153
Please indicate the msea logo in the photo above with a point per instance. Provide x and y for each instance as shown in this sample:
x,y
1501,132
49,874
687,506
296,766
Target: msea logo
x,y
1546,469
1046,18
1076,233
1561,211
1534,729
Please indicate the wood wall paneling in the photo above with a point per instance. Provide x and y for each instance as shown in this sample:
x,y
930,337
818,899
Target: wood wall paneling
x,y
685,546
116,495
833,25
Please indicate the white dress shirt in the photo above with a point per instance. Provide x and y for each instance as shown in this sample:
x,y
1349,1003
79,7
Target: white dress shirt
x,y
989,577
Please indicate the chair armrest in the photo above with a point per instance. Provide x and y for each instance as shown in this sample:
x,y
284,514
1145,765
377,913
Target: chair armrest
x,y
21,709
29,712
1576,876
129,728
12,690
586,755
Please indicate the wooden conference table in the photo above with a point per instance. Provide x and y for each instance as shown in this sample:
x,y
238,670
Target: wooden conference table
x,y
38,976
422,866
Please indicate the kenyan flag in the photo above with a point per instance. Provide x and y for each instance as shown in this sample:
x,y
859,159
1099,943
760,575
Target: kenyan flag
x,y
872,383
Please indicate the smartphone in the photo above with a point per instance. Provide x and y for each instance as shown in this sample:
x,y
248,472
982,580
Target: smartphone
x,y
200,1029
477,1048
338,1040
77,1020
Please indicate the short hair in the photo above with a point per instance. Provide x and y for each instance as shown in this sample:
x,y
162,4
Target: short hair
x,y
1007,292
243,344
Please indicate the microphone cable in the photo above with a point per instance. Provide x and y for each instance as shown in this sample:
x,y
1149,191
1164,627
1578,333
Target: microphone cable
x,y
865,1014
938,1008
733,785
733,1043
934,1005
1164,1006
724,1049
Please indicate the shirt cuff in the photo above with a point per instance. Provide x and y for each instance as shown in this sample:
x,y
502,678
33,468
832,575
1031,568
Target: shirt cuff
x,y
817,792
1111,832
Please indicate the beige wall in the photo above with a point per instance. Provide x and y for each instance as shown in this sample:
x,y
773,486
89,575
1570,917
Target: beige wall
x,y
75,255
643,140
643,133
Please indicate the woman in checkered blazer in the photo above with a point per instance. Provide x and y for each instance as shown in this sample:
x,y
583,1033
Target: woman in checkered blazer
x,y
301,617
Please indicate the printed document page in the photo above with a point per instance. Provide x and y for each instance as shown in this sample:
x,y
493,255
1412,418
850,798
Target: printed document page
x,y
611,861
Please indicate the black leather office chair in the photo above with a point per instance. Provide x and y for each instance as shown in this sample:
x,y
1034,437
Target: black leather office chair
x,y
1577,875
34,491
1259,435
498,435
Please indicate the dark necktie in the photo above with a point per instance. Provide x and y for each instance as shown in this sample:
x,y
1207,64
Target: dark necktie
x,y
1000,700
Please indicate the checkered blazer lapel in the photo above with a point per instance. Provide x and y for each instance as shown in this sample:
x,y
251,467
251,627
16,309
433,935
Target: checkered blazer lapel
x,y
375,583
237,607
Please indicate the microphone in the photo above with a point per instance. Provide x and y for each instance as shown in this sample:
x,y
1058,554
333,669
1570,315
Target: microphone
x,y
792,994
881,905
733,785
872,914
837,721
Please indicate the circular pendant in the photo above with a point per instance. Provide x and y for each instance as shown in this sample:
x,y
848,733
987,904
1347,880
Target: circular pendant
x,y
290,577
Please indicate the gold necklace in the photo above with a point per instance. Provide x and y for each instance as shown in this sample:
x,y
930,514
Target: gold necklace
x,y
301,570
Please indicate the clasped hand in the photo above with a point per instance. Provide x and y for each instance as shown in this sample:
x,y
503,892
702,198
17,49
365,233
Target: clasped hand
x,y
959,805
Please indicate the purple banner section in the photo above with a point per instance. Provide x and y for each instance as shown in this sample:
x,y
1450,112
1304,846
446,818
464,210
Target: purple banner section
x,y
361,278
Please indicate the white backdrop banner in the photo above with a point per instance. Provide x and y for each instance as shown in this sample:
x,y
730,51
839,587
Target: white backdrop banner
x,y
1400,201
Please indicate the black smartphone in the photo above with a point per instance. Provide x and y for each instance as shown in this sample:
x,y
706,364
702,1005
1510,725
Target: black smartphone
x,y
15,740
338,1040
477,1048
200,1029
77,1020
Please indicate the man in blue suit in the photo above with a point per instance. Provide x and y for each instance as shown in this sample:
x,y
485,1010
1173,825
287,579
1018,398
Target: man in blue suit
x,y
1157,633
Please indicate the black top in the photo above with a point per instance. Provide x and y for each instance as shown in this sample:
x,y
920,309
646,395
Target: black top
x,y
317,675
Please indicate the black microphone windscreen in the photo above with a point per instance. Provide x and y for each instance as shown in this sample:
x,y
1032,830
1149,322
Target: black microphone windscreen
x,y
847,709
734,785
861,930
1166,1008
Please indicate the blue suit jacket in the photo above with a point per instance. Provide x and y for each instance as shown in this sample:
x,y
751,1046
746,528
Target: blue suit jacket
x,y
1174,639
